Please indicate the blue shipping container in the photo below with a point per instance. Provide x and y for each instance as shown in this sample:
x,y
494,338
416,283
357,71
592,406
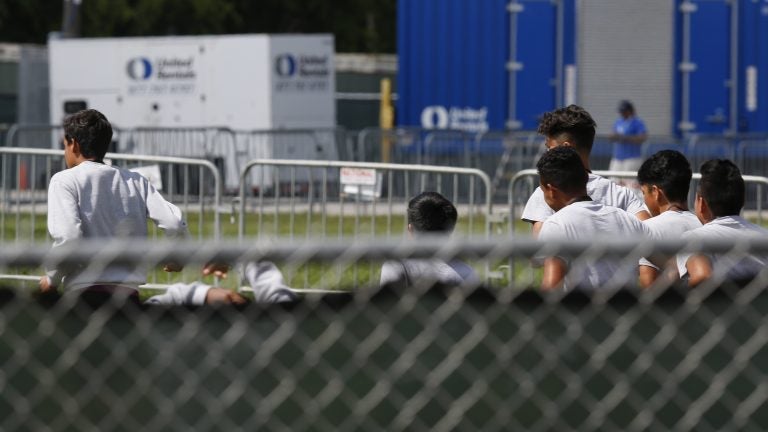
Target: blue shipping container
x,y
451,64
480,65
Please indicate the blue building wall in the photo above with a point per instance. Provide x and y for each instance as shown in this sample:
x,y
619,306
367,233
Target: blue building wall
x,y
453,58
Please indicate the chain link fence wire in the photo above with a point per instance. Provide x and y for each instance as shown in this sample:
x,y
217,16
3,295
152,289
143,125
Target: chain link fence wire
x,y
423,358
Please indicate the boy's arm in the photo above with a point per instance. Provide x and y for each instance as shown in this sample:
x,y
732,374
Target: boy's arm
x,y
536,228
699,269
536,211
165,215
196,294
554,273
64,224
648,275
643,215
178,294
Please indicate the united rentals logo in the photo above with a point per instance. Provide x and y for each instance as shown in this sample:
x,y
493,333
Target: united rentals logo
x,y
139,69
285,65
302,72
458,118
170,75
172,68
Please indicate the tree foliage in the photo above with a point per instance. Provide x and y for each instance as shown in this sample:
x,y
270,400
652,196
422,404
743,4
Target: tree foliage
x,y
358,25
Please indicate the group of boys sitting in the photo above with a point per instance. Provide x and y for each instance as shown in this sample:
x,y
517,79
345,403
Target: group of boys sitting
x,y
574,204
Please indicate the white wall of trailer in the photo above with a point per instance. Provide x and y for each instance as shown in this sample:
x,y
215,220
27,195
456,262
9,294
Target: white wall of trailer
x,y
240,81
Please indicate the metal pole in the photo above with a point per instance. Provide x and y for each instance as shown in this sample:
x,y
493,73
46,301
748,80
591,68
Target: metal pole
x,y
559,52
514,8
734,81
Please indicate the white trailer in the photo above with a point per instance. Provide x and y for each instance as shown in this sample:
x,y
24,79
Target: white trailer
x,y
183,96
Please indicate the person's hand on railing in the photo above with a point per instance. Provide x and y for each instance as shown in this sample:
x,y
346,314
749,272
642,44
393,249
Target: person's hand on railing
x,y
219,270
173,267
219,296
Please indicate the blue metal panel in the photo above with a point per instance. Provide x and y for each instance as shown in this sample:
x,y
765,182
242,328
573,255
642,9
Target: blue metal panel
x,y
536,50
710,36
753,54
452,56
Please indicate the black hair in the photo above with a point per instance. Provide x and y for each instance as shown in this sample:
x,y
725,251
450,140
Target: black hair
x,y
722,186
563,168
668,170
626,105
432,212
91,130
572,123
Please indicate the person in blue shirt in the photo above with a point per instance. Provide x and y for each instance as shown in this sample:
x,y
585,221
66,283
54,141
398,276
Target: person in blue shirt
x,y
628,136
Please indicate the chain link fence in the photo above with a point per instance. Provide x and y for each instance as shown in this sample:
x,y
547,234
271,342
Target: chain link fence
x,y
490,357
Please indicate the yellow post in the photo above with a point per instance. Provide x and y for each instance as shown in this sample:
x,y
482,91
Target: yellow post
x,y
386,118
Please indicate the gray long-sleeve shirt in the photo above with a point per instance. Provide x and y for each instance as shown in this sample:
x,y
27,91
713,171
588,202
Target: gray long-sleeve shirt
x,y
93,200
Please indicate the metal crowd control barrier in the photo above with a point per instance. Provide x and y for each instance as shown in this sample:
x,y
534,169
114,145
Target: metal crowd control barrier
x,y
35,136
23,191
516,197
225,148
311,198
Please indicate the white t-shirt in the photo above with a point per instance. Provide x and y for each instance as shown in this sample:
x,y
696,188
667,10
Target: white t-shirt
x,y
427,271
599,189
727,267
590,220
93,200
670,225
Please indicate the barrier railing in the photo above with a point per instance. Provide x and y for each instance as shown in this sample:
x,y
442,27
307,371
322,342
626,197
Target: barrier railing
x,y
310,198
518,194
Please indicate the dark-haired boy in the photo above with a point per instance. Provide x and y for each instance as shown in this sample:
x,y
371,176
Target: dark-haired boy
x,y
572,126
91,200
429,213
719,201
578,217
665,179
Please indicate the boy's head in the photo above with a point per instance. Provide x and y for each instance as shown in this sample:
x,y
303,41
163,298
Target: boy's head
x,y
569,126
430,212
562,175
90,131
664,178
721,190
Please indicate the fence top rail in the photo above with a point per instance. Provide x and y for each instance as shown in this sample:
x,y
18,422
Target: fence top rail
x,y
116,156
372,165
530,172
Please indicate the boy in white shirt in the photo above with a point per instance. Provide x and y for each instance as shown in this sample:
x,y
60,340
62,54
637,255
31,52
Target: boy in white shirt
x,y
719,201
93,200
432,214
665,179
572,126
578,217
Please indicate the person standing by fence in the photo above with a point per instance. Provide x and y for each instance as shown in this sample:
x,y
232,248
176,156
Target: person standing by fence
x,y
629,134
92,200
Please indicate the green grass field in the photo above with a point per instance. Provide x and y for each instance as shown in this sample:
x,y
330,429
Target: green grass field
x,y
300,226
27,227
